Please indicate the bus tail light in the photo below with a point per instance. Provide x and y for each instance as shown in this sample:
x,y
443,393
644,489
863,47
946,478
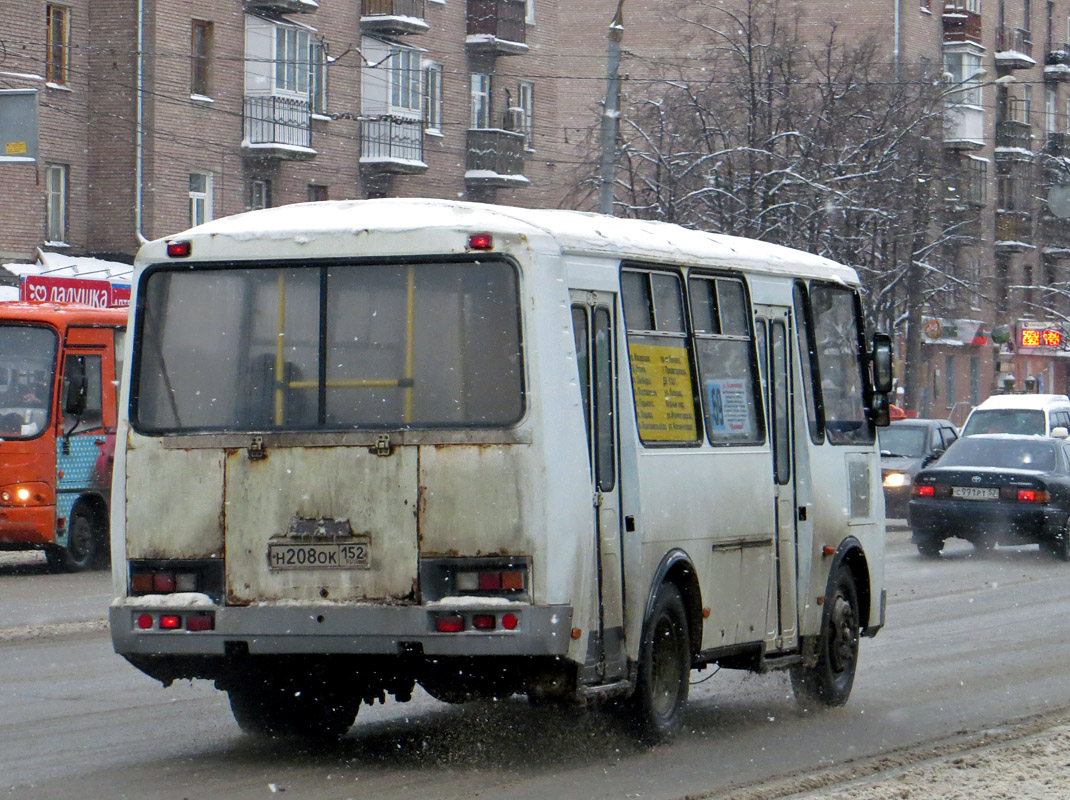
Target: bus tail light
x,y
173,576
491,581
194,622
484,622
26,494
450,623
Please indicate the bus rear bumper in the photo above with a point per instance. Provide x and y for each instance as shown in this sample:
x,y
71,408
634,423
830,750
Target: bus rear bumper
x,y
359,630
27,528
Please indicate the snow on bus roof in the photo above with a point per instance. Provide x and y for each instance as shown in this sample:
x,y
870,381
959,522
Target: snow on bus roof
x,y
574,232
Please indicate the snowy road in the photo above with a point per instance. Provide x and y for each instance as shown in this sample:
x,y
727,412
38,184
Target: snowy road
x,y
972,643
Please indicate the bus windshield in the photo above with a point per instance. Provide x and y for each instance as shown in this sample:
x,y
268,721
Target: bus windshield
x,y
27,373
329,347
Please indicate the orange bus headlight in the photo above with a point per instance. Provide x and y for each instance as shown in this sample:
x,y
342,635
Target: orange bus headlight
x,y
26,494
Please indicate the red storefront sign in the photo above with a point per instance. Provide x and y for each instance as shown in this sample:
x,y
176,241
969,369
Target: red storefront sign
x,y
47,289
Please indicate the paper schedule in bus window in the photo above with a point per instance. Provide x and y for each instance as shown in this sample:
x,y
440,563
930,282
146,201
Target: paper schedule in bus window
x,y
729,408
661,379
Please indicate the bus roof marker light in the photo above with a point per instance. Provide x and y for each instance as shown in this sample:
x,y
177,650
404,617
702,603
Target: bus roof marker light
x,y
480,241
180,249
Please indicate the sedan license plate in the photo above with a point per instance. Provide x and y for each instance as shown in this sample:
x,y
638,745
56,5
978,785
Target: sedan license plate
x,y
975,493
318,555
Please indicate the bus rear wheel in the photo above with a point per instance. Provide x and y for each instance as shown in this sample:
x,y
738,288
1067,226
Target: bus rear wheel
x,y
656,708
283,709
829,681
86,547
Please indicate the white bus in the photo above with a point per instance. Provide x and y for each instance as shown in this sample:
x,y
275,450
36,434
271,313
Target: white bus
x,y
487,450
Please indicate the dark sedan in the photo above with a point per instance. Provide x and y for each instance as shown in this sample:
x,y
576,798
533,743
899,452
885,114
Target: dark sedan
x,y
907,446
995,489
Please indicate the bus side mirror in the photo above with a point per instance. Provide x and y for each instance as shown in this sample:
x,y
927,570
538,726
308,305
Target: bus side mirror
x,y
76,387
882,363
880,413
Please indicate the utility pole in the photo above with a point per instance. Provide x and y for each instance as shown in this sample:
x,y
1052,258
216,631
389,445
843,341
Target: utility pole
x,y
611,113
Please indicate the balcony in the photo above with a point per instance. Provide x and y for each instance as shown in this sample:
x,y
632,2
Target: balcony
x,y
1057,62
393,17
963,127
1014,232
496,27
1014,134
281,6
962,21
392,145
495,159
277,127
1014,48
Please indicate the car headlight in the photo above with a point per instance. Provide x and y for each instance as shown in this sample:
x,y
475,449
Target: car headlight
x,y
894,480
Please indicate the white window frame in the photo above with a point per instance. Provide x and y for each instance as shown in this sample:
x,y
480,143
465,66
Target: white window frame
x,y
432,97
963,64
481,87
525,99
529,12
404,76
317,65
56,186
1050,109
292,68
200,199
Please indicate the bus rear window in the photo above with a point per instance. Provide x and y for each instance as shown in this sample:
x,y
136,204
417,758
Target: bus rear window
x,y
330,347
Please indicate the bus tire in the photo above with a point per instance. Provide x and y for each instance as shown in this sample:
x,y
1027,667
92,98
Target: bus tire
x,y
656,708
829,681
281,709
85,548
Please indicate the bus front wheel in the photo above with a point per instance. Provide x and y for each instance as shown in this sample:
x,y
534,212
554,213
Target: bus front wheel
x,y
829,681
86,547
657,706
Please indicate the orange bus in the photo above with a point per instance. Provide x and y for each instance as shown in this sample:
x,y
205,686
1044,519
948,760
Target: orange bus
x,y
59,372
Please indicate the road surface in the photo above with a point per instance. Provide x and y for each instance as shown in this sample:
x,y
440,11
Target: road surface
x,y
976,649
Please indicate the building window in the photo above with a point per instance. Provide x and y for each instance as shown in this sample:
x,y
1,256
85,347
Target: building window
x,y
317,192
433,97
973,280
56,203
201,58
405,81
57,47
200,198
926,4
1049,109
526,101
259,193
480,100
291,59
529,12
975,182
318,65
964,67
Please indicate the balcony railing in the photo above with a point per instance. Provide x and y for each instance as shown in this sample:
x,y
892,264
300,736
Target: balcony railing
x,y
497,26
963,127
1014,48
393,16
392,144
962,21
1013,130
495,158
1058,144
1057,62
1014,231
278,126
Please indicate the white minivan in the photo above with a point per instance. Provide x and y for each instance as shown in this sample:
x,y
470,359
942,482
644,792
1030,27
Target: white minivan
x,y
1039,414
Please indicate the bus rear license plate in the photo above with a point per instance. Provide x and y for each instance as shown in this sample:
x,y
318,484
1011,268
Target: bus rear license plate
x,y
319,555
974,492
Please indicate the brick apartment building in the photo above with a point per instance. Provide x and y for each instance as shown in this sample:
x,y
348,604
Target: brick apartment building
x,y
154,115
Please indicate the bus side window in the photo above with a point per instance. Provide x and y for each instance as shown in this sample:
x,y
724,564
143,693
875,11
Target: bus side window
x,y
93,416
726,365
662,376
808,361
839,356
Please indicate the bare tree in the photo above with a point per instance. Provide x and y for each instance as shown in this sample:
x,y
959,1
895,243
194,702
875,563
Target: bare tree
x,y
805,140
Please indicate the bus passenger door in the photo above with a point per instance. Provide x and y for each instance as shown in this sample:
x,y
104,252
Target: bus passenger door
x,y
592,324
773,326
